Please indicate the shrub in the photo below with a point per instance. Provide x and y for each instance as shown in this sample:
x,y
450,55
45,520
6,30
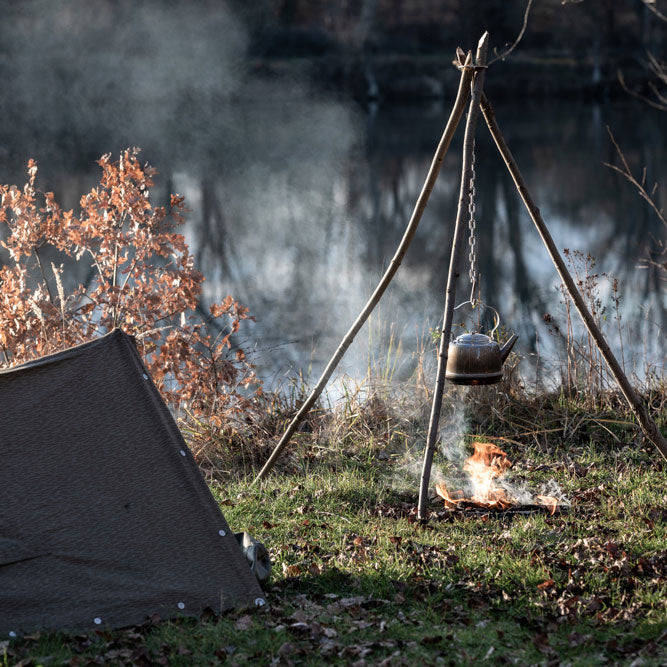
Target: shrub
x,y
141,279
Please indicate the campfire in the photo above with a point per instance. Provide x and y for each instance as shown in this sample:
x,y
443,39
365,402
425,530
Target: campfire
x,y
485,469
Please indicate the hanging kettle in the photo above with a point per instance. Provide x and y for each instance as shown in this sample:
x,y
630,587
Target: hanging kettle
x,y
475,358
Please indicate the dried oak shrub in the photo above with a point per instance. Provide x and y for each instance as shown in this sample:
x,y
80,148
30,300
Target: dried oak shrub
x,y
140,277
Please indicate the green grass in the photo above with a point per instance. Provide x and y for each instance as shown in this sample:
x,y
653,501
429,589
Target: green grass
x,y
357,579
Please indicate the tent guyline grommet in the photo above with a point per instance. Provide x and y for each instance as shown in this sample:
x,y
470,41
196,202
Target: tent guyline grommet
x,y
470,74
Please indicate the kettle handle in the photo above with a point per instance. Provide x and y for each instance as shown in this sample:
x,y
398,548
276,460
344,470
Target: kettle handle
x,y
496,318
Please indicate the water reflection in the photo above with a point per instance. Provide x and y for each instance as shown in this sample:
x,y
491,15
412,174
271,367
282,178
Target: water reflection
x,y
306,248
298,204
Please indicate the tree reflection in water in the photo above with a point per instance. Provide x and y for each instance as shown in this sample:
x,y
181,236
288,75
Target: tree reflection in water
x,y
308,246
297,207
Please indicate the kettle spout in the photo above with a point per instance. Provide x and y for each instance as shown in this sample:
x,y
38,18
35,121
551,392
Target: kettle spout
x,y
507,347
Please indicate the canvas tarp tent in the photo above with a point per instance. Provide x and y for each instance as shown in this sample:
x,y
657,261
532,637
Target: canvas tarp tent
x,y
105,518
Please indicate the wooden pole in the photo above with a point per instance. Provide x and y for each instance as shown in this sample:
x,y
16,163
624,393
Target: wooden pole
x,y
446,139
648,426
455,260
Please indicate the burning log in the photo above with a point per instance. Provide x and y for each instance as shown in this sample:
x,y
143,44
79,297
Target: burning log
x,y
486,468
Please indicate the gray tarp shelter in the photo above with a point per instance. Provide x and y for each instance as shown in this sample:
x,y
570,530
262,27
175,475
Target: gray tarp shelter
x,y
105,518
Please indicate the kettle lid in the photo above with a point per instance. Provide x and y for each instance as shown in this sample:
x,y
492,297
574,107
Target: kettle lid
x,y
475,339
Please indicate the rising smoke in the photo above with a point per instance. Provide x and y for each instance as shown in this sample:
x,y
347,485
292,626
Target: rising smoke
x,y
259,158
88,72
453,449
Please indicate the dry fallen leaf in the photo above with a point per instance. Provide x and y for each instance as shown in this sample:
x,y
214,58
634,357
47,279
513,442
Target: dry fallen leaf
x,y
244,623
291,570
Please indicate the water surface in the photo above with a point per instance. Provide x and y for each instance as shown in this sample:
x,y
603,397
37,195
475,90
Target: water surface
x,y
298,202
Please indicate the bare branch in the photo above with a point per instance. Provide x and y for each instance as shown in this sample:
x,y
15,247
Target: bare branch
x,y
627,173
618,150
639,96
41,268
658,94
659,67
502,56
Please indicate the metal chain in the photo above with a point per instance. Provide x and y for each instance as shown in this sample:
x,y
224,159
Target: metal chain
x,y
472,274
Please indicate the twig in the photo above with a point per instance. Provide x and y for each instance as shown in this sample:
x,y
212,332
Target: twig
x,y
627,173
143,334
660,70
502,56
41,268
650,5
61,297
96,263
647,100
611,433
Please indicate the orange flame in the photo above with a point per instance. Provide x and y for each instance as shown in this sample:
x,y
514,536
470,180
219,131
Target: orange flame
x,y
487,464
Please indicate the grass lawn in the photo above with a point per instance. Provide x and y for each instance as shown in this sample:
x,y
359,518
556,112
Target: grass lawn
x,y
358,581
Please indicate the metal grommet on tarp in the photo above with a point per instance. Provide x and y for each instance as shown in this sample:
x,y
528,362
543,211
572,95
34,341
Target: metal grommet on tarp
x,y
258,558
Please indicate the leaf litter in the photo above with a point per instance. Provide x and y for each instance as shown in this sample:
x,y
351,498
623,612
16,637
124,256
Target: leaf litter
x,y
376,587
